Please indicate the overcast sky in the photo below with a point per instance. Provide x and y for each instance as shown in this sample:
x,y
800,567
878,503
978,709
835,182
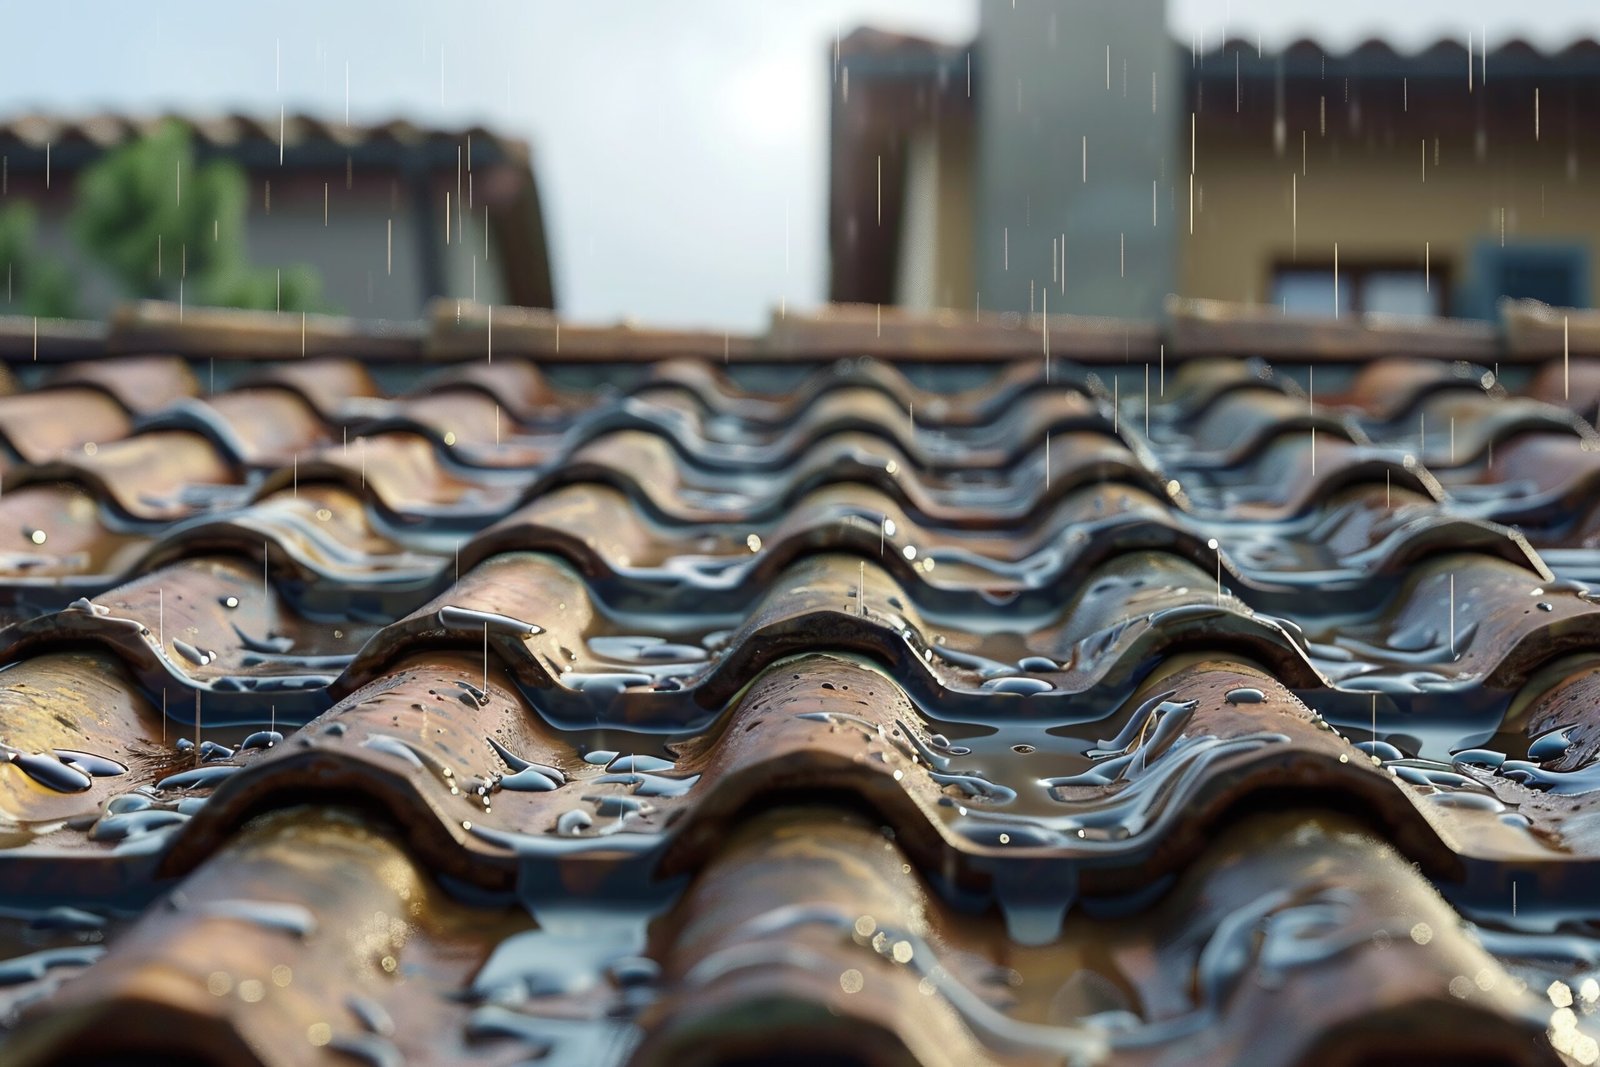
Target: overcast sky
x,y
679,145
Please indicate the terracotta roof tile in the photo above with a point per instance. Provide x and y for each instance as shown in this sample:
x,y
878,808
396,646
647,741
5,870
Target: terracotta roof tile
x,y
42,426
624,706
142,385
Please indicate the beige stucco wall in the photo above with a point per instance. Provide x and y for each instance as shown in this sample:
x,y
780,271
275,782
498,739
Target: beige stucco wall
x,y
936,232
1370,197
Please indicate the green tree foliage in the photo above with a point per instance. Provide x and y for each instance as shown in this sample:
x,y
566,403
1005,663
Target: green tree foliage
x,y
33,282
297,288
152,216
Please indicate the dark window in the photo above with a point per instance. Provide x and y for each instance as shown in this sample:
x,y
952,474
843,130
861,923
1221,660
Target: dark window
x,y
1557,275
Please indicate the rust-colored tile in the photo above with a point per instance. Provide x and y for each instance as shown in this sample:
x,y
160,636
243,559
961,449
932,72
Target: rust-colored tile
x,y
51,533
516,385
143,385
329,386
949,710
475,430
312,938
404,473
46,425
813,931
269,427
157,477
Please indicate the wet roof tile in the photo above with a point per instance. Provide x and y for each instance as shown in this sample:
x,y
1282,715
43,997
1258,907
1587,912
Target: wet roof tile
x,y
38,427
143,385
618,696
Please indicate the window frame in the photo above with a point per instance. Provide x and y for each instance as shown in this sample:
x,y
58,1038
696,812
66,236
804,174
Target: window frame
x,y
1356,272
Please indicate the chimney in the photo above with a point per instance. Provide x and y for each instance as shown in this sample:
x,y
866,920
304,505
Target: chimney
x,y
1078,136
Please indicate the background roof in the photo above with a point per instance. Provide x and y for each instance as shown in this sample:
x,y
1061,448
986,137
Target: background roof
x,y
702,200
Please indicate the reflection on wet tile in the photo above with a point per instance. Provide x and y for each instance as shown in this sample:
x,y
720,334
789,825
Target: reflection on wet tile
x,y
944,712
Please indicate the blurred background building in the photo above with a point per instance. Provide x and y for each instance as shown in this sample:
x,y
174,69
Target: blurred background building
x,y
1075,157
368,220
706,165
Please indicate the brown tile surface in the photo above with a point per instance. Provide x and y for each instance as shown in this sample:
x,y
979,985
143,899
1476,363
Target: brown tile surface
x,y
623,705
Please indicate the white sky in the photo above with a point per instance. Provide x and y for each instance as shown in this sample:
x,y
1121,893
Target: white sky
x,y
680,145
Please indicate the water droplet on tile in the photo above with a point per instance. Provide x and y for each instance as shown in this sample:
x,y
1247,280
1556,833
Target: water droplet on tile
x,y
1018,685
571,823
649,764
199,778
124,803
135,824
51,772
275,915
1550,746
528,780
91,764
374,1017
